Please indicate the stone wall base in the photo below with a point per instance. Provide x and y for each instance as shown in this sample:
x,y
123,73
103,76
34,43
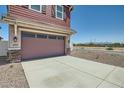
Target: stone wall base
x,y
14,56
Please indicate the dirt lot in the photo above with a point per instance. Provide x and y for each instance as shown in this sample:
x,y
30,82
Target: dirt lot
x,y
12,75
99,48
102,56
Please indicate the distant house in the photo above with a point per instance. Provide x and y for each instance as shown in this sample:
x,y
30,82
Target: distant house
x,y
37,31
1,38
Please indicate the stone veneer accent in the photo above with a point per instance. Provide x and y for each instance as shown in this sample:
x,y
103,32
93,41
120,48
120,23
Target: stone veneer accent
x,y
14,55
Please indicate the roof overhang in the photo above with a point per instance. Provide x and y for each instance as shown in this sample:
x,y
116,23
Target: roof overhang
x,y
73,31
70,7
35,25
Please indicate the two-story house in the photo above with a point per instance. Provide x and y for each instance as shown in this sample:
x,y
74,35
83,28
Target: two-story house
x,y
37,31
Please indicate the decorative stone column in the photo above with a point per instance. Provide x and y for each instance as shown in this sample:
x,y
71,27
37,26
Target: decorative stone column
x,y
14,55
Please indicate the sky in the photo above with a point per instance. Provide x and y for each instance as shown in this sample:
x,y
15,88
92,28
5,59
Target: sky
x,y
4,26
92,23
98,24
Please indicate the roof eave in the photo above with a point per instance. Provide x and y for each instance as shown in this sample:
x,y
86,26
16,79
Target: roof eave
x,y
73,31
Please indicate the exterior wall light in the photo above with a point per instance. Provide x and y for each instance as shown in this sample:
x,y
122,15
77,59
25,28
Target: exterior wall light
x,y
15,39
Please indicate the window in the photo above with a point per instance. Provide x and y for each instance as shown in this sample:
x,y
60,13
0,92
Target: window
x,y
41,36
52,37
37,8
27,34
59,11
60,38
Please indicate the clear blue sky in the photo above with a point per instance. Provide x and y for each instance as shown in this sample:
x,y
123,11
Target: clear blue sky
x,y
98,23
4,26
92,23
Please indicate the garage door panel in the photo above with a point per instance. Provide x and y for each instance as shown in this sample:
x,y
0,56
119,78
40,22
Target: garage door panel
x,y
39,47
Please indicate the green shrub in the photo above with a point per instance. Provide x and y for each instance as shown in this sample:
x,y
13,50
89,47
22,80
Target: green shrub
x,y
109,48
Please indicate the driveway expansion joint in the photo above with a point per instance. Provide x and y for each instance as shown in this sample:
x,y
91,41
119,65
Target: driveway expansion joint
x,y
92,74
81,70
108,76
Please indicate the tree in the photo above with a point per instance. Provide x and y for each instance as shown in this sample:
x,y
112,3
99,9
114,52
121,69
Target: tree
x,y
116,44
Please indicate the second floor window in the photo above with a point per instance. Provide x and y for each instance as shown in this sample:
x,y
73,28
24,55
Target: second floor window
x,y
59,11
37,8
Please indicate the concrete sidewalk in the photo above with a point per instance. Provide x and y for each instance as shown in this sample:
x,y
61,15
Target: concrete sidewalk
x,y
72,72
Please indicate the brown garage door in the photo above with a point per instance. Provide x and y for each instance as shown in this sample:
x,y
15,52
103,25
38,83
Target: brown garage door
x,y
40,45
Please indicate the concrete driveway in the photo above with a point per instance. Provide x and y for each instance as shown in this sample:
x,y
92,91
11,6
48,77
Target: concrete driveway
x,y
72,72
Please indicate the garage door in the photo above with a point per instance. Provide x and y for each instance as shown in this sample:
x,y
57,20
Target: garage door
x,y
41,45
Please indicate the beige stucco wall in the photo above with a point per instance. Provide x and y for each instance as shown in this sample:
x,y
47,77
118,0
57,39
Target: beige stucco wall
x,y
14,45
67,44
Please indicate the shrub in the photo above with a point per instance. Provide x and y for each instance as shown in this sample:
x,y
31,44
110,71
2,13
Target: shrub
x,y
11,66
109,48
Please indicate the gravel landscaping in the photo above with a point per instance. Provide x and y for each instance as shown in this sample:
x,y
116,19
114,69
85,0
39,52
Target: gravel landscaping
x,y
107,57
12,75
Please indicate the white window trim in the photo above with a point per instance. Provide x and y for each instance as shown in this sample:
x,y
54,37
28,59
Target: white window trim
x,y
60,12
36,10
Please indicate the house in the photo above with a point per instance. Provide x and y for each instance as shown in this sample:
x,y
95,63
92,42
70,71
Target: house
x,y
37,31
0,34
1,38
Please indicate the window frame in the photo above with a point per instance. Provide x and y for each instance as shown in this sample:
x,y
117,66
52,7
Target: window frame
x,y
35,9
59,12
